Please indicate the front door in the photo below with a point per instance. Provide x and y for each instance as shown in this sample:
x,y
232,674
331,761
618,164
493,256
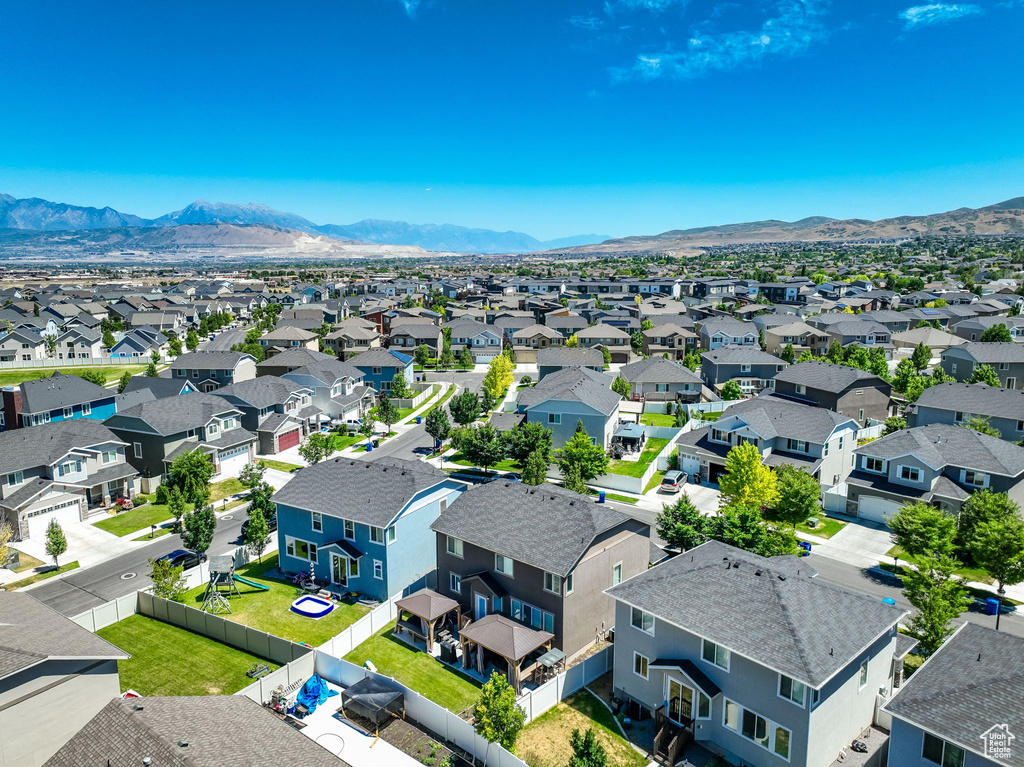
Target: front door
x,y
339,570
1011,383
480,608
680,702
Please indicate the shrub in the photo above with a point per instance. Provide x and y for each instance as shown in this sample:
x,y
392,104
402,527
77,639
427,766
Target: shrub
x,y
162,495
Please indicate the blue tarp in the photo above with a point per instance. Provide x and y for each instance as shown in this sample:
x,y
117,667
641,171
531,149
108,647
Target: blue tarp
x,y
314,692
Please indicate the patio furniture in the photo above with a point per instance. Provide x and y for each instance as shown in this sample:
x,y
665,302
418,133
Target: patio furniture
x,y
429,607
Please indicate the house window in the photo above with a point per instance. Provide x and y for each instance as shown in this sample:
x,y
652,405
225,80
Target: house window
x,y
455,546
554,418
350,529
553,583
229,424
378,569
503,565
392,534
353,568
975,478
137,447
376,534
940,752
376,371
641,620
300,549
640,665
617,574
568,584
68,412
455,583
86,409
910,473
318,522
801,389
715,654
744,368
661,387
15,479
549,623
756,728
863,680
109,456
792,690
798,445
719,436
874,464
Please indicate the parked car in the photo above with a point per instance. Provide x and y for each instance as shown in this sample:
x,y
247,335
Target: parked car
x,y
271,524
673,481
184,558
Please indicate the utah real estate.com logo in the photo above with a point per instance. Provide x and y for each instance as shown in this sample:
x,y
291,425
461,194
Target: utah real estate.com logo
x,y
997,741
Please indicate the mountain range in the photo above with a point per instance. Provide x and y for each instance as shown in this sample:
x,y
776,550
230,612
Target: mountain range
x,y
42,215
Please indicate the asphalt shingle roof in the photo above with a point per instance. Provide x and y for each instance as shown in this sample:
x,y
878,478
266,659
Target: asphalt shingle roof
x,y
741,355
576,383
940,445
562,356
176,414
59,390
295,358
42,445
979,399
658,370
826,376
990,352
261,392
208,361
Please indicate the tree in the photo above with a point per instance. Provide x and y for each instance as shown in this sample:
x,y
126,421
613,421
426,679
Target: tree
x,y
422,355
921,357
997,546
466,357
892,424
485,446
528,438
983,506
122,384
169,581
835,353
464,407
622,387
257,533
174,347
744,527
94,377
731,390
437,424
799,495
747,481
878,364
6,536
399,388
692,360
939,597
905,372
198,527
981,425
447,358
191,472
582,456
606,354
496,716
535,471
586,750
252,474
56,541
108,339
317,447
923,530
387,413
572,342
499,377
986,375
788,354
191,340
996,333
151,371
176,507
681,525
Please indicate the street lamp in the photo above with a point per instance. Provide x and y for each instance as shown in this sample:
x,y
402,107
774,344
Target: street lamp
x,y
1000,593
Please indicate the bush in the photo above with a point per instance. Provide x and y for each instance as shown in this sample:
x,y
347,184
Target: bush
x,y
162,495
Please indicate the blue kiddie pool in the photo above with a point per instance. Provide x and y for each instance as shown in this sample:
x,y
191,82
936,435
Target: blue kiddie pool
x,y
311,606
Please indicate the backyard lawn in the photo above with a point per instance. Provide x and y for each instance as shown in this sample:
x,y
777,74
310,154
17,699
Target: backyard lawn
x,y
269,610
112,372
279,465
167,660
544,742
658,419
637,468
417,670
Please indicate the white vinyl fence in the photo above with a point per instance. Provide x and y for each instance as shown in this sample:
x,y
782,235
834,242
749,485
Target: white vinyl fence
x,y
552,692
70,363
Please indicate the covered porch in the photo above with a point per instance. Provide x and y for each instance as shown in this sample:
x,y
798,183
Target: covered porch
x,y
511,641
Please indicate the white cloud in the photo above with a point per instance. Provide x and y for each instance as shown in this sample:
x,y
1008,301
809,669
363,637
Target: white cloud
x,y
794,25
411,6
591,23
936,13
655,6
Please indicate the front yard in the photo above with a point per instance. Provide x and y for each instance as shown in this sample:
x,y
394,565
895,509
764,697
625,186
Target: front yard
x,y
148,514
167,660
269,610
417,670
544,742
637,468
279,465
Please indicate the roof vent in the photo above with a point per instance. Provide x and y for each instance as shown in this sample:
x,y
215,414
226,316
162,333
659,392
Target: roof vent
x,y
138,707
147,760
979,657
757,572
183,744
736,565
782,577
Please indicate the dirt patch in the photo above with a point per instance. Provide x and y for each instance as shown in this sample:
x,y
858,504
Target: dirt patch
x,y
416,742
640,733
591,651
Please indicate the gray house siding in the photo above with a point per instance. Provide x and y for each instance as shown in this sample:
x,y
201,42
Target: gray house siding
x,y
568,412
906,744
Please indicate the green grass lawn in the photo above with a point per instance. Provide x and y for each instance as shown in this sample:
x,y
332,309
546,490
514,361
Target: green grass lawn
x,y
417,670
41,576
128,522
269,610
221,490
440,402
27,562
965,571
658,419
655,481
112,372
461,460
637,469
280,465
827,527
544,742
342,441
167,660
612,496
711,416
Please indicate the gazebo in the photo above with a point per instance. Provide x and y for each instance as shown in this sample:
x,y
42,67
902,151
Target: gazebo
x,y
504,637
429,607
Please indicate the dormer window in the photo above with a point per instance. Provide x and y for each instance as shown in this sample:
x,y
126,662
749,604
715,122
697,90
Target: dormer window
x,y
801,389
719,436
910,473
874,464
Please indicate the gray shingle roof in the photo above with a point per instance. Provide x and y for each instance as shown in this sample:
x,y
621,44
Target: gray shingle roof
x,y
974,681
42,445
741,355
208,361
940,445
550,529
362,491
576,383
658,370
979,399
261,392
176,414
772,416
562,356
601,330
827,377
295,358
31,632
991,352
160,386
381,358
220,731
767,609
59,390
535,330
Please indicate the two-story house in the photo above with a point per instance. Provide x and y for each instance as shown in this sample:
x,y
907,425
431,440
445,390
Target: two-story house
x,y
162,429
278,411
615,340
554,359
751,368
211,370
669,338
23,346
863,333
565,323
58,397
940,463
958,403
364,526
782,292
529,340
60,471
339,388
1006,359
353,336
546,566
801,336
657,379
972,329
483,341
574,395
751,657
811,438
716,332
379,367
286,337
850,391
79,344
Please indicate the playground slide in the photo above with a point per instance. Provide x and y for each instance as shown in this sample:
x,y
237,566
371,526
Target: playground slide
x,y
254,584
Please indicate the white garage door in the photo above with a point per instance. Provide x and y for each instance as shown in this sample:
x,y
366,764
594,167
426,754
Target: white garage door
x,y
689,464
876,509
66,513
483,359
232,461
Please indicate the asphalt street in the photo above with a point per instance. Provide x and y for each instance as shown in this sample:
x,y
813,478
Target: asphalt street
x,y
224,340
82,590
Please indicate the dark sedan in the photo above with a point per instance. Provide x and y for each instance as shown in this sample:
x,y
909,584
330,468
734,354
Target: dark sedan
x,y
183,558
271,524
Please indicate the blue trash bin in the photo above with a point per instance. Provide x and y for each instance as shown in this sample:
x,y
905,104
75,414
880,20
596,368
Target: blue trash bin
x,y
419,419
991,606
600,496
369,447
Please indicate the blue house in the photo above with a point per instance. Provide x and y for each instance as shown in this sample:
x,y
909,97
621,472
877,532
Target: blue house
x,y
57,398
380,365
363,526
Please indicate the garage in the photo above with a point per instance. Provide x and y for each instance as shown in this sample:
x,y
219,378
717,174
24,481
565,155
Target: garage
x,y
484,359
876,509
233,459
288,439
715,470
66,513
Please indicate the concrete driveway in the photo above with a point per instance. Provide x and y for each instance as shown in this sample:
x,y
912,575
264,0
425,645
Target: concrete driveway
x,y
860,543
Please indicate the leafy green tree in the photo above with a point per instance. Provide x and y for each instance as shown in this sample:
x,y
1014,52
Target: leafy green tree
x,y
923,530
998,548
938,595
622,387
692,360
497,717
986,375
108,339
572,479
252,474
198,527
582,456
257,533
681,525
191,472
528,438
466,357
176,507
731,391
56,541
464,407
905,372
572,342
387,413
744,527
981,425
447,359
151,371
97,377
191,340
399,388
169,581
799,495
122,384
485,446
174,347
983,506
921,357
260,499
996,333
835,353
606,354
747,481
893,424
499,377
586,749
437,425
788,354
535,471
316,448
422,355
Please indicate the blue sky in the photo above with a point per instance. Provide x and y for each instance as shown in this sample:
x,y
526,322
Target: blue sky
x,y
554,118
